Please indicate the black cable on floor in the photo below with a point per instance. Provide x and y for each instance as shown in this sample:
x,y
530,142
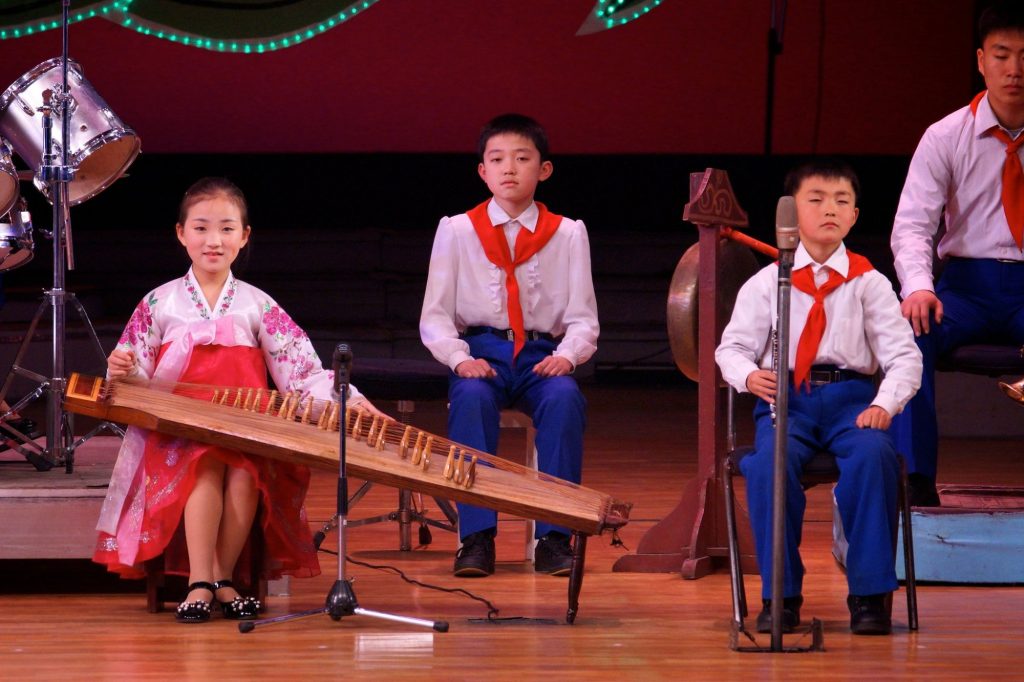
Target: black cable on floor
x,y
492,610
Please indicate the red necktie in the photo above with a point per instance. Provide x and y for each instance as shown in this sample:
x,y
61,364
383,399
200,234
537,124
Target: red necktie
x,y
527,244
814,327
1013,179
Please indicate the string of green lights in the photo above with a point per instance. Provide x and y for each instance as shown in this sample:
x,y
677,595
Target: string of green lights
x,y
200,27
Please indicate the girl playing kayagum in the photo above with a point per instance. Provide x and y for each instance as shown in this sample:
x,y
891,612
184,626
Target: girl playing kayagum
x,y
210,328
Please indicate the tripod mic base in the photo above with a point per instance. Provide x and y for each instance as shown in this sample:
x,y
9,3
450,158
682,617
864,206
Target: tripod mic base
x,y
341,601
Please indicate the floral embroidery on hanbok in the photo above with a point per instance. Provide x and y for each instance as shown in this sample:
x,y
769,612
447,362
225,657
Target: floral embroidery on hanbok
x,y
140,327
196,294
294,348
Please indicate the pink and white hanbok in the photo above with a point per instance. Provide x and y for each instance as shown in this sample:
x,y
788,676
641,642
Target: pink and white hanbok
x,y
176,336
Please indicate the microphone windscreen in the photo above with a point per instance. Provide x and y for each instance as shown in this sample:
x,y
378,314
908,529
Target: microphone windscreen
x,y
787,233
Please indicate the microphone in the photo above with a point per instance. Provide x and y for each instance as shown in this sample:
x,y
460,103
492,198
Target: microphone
x,y
342,365
787,232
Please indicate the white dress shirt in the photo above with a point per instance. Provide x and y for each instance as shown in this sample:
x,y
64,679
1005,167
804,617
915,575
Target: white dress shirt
x,y
464,289
958,166
864,329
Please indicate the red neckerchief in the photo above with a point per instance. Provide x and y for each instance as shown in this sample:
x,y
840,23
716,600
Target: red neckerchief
x,y
814,327
1013,177
492,238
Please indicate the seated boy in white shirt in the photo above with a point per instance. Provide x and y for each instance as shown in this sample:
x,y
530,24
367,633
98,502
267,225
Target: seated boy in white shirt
x,y
510,309
848,323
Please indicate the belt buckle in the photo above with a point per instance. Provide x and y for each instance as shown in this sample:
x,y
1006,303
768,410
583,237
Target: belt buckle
x,y
820,377
510,335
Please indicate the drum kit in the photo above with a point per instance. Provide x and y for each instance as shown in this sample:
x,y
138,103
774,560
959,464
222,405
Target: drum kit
x,y
84,153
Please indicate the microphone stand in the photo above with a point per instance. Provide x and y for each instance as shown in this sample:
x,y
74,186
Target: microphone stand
x,y
788,238
787,248
56,173
341,600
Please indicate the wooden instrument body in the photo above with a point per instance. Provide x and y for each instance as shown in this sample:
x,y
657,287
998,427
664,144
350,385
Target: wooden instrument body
x,y
497,484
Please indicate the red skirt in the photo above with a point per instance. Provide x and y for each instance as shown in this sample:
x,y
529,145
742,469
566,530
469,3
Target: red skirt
x,y
170,475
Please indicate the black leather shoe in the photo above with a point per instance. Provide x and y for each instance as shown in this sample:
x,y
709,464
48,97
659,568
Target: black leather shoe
x,y
553,555
476,556
790,614
239,608
921,491
869,614
197,611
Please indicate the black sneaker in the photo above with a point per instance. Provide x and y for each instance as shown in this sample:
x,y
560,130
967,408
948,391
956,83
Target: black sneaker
x,y
869,614
553,555
476,556
790,614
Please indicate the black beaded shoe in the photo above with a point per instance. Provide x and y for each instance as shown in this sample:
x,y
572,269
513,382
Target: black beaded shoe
x,y
553,555
869,614
790,614
476,556
197,611
239,608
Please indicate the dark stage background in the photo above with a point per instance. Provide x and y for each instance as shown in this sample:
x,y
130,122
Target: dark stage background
x,y
352,145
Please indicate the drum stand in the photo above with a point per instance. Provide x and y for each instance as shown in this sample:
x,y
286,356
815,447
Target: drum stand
x,y
57,174
341,600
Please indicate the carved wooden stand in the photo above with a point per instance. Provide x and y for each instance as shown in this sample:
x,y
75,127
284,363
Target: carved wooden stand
x,y
692,538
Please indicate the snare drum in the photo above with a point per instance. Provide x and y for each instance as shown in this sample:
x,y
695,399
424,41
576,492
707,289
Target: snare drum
x,y
15,238
100,148
8,180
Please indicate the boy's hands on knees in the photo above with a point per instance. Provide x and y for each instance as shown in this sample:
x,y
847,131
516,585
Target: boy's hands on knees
x,y
874,417
918,309
553,366
761,382
120,364
475,369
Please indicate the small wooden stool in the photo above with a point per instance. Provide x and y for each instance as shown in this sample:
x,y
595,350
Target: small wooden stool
x,y
514,419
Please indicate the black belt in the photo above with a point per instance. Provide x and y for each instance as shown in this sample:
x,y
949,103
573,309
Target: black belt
x,y
507,334
829,374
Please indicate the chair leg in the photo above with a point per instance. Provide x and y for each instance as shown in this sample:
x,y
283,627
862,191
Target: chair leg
x,y
155,584
739,595
908,548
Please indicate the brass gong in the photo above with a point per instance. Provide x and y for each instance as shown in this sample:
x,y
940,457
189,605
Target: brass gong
x,y
737,264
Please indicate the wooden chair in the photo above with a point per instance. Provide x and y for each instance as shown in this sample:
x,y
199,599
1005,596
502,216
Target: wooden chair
x,y
821,469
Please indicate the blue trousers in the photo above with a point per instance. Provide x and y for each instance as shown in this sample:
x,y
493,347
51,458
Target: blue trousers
x,y
555,404
983,302
865,494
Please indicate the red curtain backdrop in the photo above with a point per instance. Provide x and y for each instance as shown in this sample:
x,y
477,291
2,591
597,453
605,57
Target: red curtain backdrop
x,y
423,76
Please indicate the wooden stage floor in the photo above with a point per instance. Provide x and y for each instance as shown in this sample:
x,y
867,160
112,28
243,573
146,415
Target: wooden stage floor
x,y
58,621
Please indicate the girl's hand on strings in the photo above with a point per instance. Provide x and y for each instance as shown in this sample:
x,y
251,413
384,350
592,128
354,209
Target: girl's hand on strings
x,y
364,405
121,364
